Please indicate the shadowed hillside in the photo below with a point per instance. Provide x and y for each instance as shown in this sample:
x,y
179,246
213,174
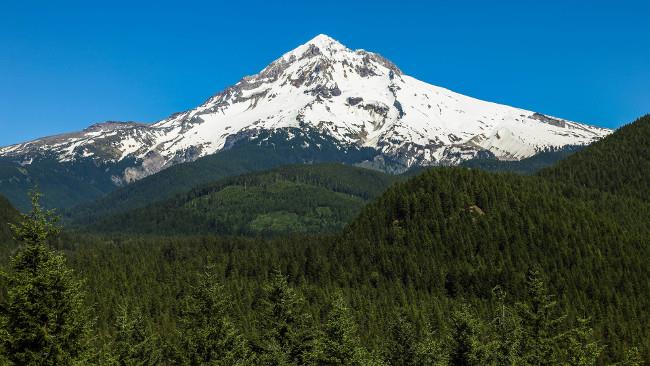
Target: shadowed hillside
x,y
8,214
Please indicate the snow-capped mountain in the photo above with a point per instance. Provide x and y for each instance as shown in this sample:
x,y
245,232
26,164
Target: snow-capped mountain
x,y
356,97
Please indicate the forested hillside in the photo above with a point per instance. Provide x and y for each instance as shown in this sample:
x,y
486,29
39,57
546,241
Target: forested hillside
x,y
463,232
8,214
265,152
64,184
291,199
619,163
525,166
442,239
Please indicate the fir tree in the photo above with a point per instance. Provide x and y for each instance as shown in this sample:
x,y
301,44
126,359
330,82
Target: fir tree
x,y
341,344
505,348
208,335
288,337
541,320
134,343
401,347
44,319
465,343
632,357
582,349
430,351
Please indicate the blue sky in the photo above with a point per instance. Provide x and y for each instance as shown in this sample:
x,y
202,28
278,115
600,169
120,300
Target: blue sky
x,y
64,66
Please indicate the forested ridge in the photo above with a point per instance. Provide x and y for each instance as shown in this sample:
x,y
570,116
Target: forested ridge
x,y
454,266
266,151
527,166
290,199
464,232
619,163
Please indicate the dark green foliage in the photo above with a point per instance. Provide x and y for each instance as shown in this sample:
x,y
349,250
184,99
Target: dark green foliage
x,y
619,163
505,348
402,342
287,330
291,199
64,184
135,343
443,238
162,269
431,351
525,166
340,338
8,215
582,346
459,233
208,336
632,357
341,344
540,321
480,268
465,343
43,318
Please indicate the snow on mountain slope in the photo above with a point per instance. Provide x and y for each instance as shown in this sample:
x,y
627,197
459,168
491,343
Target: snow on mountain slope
x,y
357,97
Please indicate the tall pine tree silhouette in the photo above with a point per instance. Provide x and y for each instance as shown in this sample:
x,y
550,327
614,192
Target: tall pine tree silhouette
x,y
44,319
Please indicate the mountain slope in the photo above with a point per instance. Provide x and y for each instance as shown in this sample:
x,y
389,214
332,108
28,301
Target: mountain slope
x,y
292,199
266,152
426,246
357,98
458,233
527,166
8,214
620,163
64,184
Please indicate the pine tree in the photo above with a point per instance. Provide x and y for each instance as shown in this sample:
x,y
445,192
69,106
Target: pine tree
x,y
582,349
465,343
430,351
341,344
134,344
288,336
401,347
44,319
208,335
505,348
541,320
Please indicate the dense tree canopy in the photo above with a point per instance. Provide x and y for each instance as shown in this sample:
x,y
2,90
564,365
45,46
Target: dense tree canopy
x,y
527,166
619,163
292,199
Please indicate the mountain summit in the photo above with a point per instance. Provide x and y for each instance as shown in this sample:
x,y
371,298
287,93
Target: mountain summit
x,y
356,98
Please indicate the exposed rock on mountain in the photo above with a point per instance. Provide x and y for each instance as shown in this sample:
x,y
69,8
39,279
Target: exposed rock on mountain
x,y
354,96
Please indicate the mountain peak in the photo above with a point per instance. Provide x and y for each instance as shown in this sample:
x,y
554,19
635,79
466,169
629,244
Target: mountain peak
x,y
322,44
324,41
355,97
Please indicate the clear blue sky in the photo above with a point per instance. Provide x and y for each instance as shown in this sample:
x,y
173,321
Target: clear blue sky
x,y
64,66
